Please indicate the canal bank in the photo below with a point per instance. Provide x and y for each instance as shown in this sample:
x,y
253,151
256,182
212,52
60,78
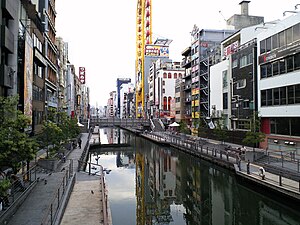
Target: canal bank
x,y
284,181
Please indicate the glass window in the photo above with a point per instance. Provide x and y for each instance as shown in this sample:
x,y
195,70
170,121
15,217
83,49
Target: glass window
x,y
246,104
269,70
291,94
296,32
283,96
234,63
262,46
269,97
282,126
263,98
165,75
275,41
268,44
289,35
281,39
241,84
290,64
282,68
295,128
175,75
275,66
263,71
297,93
225,83
276,96
250,58
225,100
297,61
179,75
273,126
169,75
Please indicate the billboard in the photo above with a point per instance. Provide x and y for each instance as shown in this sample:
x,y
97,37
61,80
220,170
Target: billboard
x,y
157,50
82,75
28,78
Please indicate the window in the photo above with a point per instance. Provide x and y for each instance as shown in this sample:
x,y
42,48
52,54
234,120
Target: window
x,y
282,68
275,41
269,70
263,71
282,96
164,90
225,100
243,125
291,95
275,66
268,44
262,46
297,93
290,64
224,75
179,75
234,63
289,35
246,104
241,84
250,59
296,32
263,94
165,75
243,61
276,96
163,82
281,39
169,75
297,61
175,75
269,97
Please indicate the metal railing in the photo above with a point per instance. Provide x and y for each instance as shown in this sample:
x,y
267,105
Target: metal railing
x,y
54,205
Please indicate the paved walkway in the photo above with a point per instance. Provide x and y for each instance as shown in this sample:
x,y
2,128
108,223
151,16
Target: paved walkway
x,y
36,205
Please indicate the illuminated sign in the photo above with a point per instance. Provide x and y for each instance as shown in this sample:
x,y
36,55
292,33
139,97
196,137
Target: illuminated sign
x,y
82,75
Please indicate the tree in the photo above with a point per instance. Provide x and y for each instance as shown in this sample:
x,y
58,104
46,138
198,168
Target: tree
x,y
15,145
254,136
183,128
220,129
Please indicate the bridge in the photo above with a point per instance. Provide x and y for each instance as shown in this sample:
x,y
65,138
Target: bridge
x,y
113,121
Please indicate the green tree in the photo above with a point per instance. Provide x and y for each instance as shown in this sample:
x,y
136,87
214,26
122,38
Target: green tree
x,y
15,145
254,136
183,128
220,129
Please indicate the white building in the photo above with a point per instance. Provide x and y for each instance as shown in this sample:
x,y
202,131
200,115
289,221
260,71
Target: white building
x,y
279,82
124,101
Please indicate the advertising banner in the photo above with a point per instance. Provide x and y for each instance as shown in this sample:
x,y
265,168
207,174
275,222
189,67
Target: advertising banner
x,y
28,78
157,51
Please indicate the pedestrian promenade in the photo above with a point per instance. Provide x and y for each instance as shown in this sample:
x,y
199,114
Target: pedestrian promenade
x,y
36,207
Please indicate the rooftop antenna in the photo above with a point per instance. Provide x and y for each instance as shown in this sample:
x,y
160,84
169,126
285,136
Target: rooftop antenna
x,y
222,15
289,12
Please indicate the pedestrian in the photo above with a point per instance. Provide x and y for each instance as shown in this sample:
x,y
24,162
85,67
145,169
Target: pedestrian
x,y
262,173
79,142
239,164
248,167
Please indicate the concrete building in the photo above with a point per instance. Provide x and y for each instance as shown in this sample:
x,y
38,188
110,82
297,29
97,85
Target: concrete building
x,y
62,61
112,104
125,102
162,87
179,100
279,82
8,49
240,21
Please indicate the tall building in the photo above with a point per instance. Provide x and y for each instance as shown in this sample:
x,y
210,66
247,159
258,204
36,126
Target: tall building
x,y
8,49
279,83
48,13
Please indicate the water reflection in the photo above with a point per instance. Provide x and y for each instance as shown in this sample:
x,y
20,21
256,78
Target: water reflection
x,y
151,184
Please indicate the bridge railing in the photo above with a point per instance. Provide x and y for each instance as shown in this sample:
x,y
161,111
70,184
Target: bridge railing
x,y
113,121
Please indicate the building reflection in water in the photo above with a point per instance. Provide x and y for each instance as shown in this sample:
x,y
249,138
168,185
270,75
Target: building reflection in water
x,y
175,188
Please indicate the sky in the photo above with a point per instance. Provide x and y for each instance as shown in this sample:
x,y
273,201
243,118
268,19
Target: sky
x,y
101,35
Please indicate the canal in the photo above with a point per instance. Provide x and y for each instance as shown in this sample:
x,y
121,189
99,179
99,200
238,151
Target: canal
x,y
151,184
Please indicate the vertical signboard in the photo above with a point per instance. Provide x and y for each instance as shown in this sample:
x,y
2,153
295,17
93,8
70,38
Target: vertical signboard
x,y
28,78
82,75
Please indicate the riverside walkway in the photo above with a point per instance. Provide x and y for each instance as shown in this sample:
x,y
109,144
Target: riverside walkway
x,y
47,200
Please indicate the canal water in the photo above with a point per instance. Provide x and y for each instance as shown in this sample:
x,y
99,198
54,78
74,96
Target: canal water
x,y
151,184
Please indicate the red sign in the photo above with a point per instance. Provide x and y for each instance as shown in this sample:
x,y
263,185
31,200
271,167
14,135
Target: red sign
x,y
82,75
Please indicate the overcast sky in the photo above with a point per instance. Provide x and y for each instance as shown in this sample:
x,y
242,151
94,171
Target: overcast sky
x,y
101,34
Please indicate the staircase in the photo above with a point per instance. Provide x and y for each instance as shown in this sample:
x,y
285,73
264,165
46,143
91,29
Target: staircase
x,y
157,125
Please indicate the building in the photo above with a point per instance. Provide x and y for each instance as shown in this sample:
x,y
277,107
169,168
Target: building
x,y
112,104
179,100
162,87
126,100
279,83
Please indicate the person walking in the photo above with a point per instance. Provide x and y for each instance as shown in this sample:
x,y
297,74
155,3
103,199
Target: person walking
x,y
79,142
248,167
